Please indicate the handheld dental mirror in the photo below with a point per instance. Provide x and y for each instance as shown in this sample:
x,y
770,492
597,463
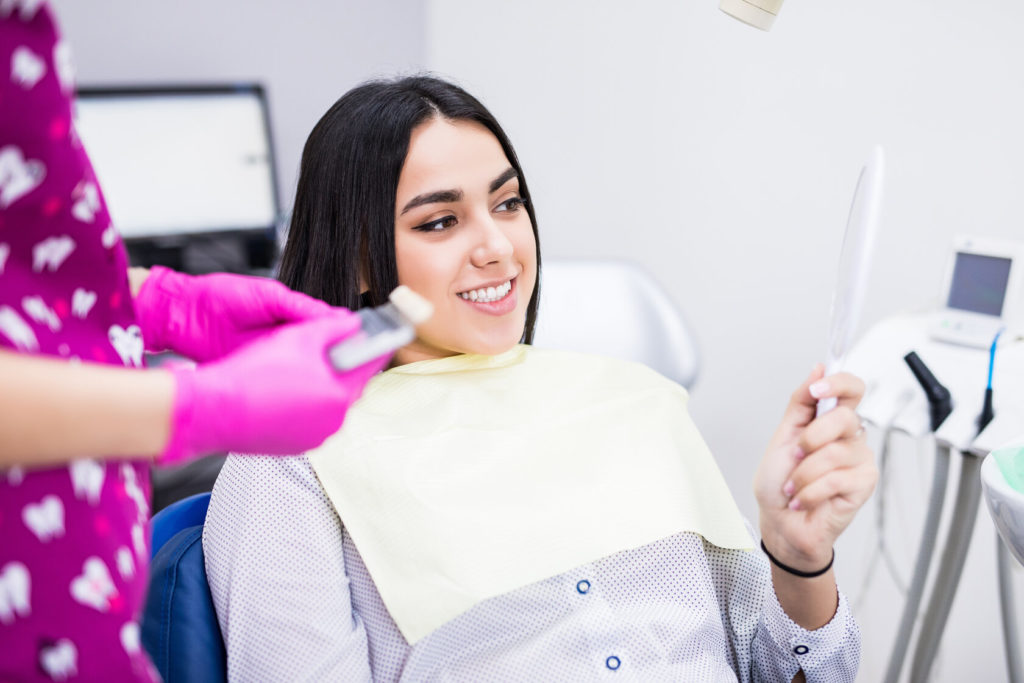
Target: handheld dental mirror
x,y
854,266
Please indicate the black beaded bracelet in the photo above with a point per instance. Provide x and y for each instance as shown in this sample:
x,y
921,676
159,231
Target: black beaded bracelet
x,y
797,572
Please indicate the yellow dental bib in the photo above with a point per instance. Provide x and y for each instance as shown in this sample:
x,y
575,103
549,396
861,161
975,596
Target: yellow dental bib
x,y
466,477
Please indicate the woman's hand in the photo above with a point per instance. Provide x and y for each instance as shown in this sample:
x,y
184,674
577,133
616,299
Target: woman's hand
x,y
209,316
816,473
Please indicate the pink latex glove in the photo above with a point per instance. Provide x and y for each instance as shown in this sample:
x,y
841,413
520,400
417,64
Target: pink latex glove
x,y
276,396
205,317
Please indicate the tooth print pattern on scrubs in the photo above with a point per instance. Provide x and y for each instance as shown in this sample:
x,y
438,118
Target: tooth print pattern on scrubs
x,y
74,542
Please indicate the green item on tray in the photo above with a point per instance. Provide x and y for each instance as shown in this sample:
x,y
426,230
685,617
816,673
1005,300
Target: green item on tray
x,y
1011,464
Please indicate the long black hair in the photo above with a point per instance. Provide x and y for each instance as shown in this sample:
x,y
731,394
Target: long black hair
x,y
343,222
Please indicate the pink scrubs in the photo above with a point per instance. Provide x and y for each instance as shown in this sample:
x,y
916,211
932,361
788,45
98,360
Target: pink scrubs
x,y
73,539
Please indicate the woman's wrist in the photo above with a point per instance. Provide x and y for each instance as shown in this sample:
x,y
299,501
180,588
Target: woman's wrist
x,y
805,556
802,573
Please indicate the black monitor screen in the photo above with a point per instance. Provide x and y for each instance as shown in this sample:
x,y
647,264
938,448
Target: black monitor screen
x,y
979,283
181,161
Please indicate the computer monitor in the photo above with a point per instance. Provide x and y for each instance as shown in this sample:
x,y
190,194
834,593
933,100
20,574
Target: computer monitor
x,y
984,292
180,164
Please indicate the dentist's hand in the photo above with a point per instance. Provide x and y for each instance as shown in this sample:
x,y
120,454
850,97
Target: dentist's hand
x,y
208,316
277,396
815,474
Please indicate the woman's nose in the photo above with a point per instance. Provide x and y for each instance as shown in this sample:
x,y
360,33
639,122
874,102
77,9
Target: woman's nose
x,y
493,245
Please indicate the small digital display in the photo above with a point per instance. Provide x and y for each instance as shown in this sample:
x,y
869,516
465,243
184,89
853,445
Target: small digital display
x,y
979,283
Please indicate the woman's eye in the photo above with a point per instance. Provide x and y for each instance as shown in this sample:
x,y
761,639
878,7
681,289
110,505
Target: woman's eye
x,y
438,225
511,205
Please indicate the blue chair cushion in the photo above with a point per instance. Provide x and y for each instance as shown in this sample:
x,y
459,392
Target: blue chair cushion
x,y
177,516
179,624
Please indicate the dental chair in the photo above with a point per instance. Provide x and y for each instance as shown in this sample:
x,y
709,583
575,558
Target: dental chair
x,y
179,625
614,308
607,307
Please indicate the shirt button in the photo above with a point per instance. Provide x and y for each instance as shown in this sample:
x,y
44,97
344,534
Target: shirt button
x,y
801,650
583,587
613,663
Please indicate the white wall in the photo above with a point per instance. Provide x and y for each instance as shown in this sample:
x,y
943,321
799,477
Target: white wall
x,y
723,159
719,157
307,53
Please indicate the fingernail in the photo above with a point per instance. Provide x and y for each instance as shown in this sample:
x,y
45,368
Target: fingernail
x,y
794,504
789,488
798,453
819,388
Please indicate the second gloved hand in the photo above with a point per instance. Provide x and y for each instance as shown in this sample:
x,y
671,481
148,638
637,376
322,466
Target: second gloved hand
x,y
208,316
277,396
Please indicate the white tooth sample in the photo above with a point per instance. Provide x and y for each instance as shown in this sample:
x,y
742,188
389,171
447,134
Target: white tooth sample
x,y
45,519
139,540
82,301
14,327
64,65
87,479
15,476
60,660
130,638
15,586
27,68
94,587
18,175
109,237
128,343
125,563
37,309
51,253
88,203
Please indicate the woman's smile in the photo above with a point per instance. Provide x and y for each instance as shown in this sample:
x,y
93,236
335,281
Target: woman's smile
x,y
492,299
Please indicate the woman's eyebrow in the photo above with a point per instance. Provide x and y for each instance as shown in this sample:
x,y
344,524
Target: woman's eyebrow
x,y
438,197
451,196
506,176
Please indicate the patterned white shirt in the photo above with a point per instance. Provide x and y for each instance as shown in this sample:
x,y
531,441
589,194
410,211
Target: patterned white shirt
x,y
295,602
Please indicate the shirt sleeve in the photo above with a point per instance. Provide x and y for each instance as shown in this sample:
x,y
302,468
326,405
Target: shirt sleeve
x,y
274,561
764,643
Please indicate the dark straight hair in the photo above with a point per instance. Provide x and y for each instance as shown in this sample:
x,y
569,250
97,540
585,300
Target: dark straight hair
x,y
343,222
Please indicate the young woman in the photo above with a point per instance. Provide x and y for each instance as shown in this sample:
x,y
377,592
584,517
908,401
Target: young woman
x,y
495,512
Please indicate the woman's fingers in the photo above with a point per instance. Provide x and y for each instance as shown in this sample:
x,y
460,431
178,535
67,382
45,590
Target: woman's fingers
x,y
837,455
854,484
840,423
800,410
847,388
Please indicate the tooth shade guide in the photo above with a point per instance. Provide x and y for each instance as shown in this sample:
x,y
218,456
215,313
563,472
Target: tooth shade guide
x,y
413,306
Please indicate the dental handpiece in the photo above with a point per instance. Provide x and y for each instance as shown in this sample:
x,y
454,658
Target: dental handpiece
x,y
940,403
382,330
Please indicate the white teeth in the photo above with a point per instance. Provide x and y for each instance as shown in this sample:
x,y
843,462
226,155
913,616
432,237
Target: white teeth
x,y
488,294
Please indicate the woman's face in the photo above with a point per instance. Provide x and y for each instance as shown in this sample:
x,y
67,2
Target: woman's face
x,y
463,240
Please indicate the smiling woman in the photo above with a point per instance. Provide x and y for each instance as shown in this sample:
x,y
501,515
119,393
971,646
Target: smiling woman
x,y
469,249
414,181
492,511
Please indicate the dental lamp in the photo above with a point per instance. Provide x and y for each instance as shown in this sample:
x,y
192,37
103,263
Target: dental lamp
x,y
757,13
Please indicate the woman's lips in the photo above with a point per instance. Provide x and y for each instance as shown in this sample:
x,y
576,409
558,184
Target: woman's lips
x,y
504,305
